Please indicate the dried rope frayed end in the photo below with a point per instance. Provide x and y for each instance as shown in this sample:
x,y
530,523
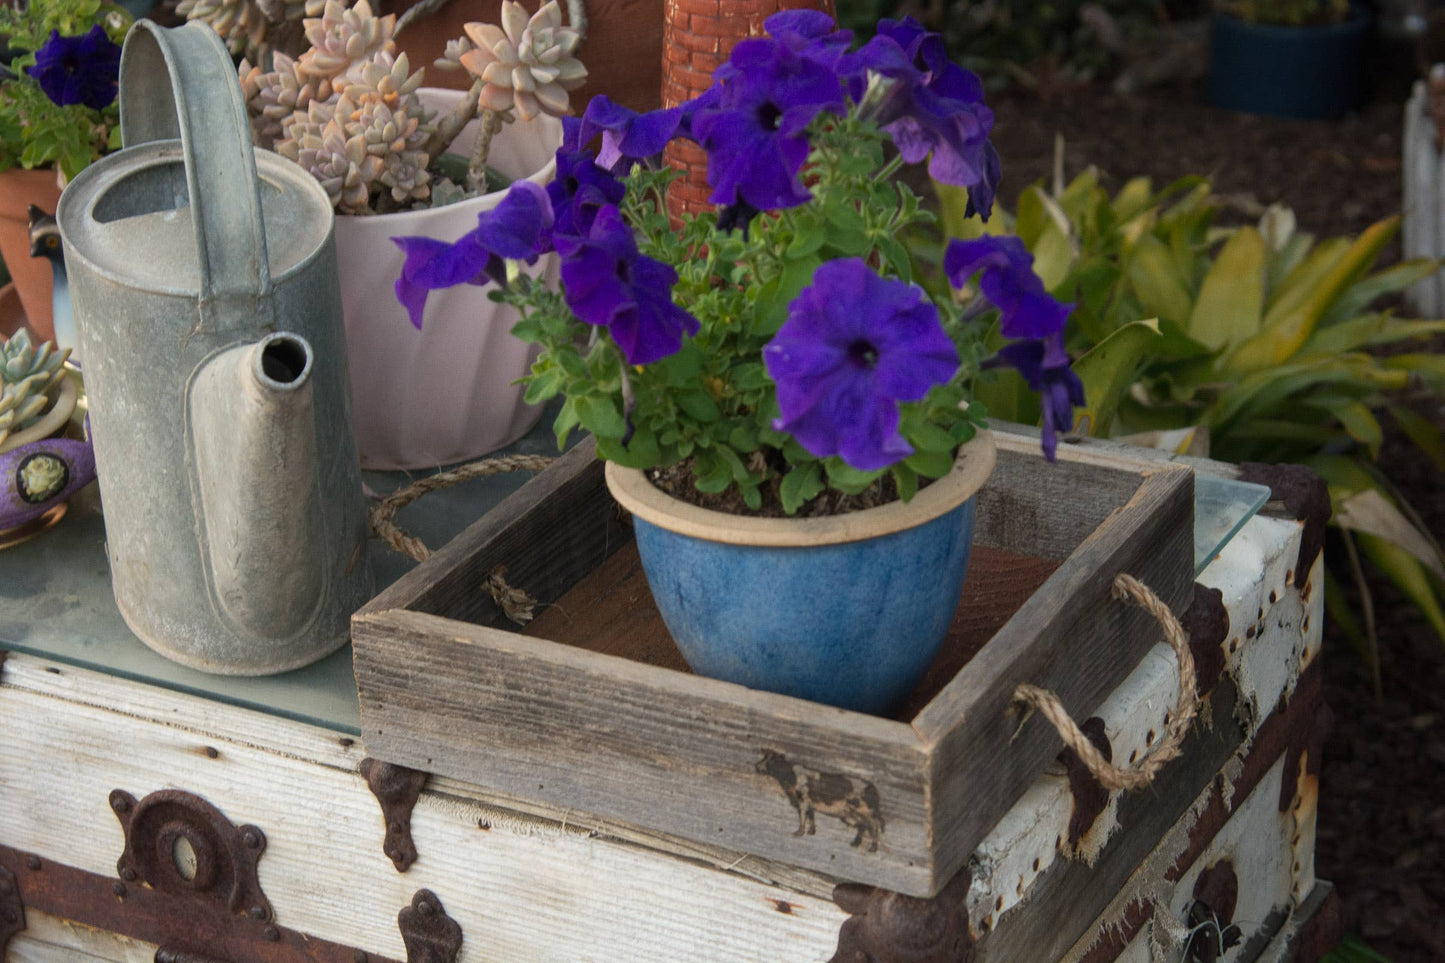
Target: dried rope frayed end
x,y
515,604
1112,777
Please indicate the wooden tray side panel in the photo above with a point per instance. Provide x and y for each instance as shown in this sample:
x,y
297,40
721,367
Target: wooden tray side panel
x,y
1047,510
549,533
706,760
1071,637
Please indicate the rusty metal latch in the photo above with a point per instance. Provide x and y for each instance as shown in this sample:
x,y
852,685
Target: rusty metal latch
x,y
1212,931
397,788
430,935
178,843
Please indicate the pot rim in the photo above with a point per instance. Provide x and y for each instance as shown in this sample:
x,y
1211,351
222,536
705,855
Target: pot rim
x,y
1358,17
971,468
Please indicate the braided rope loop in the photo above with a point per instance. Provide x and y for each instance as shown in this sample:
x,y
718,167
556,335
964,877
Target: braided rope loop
x,y
1112,777
383,514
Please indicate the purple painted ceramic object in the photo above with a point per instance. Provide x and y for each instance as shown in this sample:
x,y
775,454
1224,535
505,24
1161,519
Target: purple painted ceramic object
x,y
40,475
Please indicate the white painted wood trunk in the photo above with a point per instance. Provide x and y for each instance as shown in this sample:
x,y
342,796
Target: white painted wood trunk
x,y
531,882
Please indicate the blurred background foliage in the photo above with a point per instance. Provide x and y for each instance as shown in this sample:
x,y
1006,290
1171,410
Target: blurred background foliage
x,y
1034,43
1257,342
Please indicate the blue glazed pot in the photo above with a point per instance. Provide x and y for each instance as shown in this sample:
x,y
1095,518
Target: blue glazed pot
x,y
1310,73
847,610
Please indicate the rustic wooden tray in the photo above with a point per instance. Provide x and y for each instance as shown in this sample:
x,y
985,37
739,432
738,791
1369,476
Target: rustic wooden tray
x,y
591,708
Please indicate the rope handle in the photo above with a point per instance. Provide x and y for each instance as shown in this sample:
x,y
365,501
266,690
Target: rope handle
x,y
1129,589
515,604
383,514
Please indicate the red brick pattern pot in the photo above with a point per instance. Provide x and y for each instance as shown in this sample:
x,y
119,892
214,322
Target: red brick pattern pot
x,y
697,36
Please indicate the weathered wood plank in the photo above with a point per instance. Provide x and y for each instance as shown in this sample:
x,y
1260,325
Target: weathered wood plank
x,y
1065,901
462,717
611,611
1046,511
321,747
642,744
1071,637
553,530
525,890
1022,845
50,939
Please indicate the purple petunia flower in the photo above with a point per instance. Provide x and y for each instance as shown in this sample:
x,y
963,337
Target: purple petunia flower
x,y
516,229
607,282
626,135
855,345
1009,283
581,187
1044,364
78,70
754,133
707,100
933,108
810,33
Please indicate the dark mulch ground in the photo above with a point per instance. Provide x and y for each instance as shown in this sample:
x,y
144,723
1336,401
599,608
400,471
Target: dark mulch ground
x,y
1382,806
1339,177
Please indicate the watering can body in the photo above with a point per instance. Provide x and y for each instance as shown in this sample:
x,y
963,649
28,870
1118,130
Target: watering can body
x,y
203,275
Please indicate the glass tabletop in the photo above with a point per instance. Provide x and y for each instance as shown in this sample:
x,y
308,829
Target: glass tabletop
x,y
1221,507
56,601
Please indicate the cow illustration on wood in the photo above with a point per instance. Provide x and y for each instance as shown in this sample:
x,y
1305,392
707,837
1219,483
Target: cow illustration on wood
x,y
854,802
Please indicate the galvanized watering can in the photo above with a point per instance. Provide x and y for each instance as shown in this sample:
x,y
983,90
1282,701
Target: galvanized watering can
x,y
209,318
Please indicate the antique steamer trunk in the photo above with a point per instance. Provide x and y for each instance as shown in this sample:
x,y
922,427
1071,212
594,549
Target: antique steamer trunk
x,y
139,822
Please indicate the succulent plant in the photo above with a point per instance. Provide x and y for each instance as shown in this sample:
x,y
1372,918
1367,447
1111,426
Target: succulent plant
x,y
347,108
273,97
345,37
252,28
29,379
526,64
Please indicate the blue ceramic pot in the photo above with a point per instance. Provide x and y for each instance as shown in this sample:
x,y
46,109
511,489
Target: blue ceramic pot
x,y
847,610
1311,73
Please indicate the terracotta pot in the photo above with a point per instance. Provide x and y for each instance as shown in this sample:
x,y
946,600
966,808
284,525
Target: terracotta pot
x,y
623,49
18,189
446,393
12,312
698,35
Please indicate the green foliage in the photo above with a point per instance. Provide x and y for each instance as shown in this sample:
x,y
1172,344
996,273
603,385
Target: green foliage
x,y
1295,13
1030,42
34,130
1266,340
713,401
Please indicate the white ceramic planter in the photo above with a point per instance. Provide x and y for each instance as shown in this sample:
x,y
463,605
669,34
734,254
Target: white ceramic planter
x,y
445,393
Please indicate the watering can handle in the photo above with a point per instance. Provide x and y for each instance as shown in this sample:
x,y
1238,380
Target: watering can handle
x,y
205,111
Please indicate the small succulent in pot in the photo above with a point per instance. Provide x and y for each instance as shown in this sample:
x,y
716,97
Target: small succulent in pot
x,y
348,109
774,356
44,458
58,92
32,382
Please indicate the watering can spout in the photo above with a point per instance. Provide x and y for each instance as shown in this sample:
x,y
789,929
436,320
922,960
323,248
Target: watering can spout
x,y
252,428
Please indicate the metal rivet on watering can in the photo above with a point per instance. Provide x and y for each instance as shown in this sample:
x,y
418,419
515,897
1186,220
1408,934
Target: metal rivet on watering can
x,y
209,318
